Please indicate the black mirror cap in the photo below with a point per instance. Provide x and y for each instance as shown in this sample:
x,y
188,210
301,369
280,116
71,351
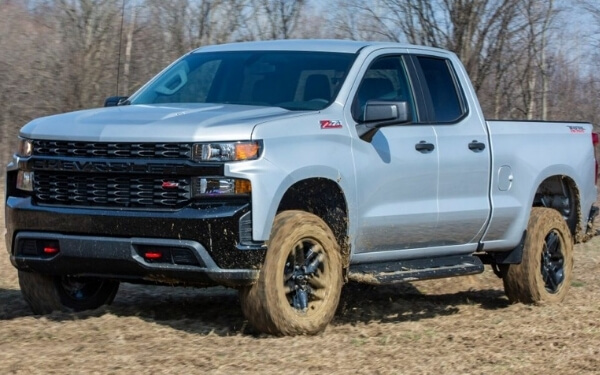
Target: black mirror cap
x,y
379,114
390,112
113,101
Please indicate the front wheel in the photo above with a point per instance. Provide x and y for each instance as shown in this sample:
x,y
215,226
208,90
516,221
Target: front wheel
x,y
44,293
300,281
546,269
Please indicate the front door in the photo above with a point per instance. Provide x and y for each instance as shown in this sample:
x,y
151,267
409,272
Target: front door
x,y
397,171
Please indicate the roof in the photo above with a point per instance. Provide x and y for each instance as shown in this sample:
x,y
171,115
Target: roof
x,y
319,45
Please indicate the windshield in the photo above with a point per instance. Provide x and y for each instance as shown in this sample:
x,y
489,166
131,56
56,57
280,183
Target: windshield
x,y
294,80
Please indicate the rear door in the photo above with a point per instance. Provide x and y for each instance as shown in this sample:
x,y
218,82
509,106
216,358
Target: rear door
x,y
463,149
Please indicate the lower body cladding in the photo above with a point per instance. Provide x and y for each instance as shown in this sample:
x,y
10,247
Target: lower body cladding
x,y
190,246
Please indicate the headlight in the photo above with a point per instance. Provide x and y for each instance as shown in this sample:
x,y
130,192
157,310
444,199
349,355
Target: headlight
x,y
25,147
25,181
227,151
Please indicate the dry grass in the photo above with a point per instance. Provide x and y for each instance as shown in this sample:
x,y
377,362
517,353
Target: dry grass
x,y
452,326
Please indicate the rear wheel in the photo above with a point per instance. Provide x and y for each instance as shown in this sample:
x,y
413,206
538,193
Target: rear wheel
x,y
545,272
300,281
45,293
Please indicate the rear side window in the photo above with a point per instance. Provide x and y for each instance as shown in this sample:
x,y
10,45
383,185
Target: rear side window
x,y
445,98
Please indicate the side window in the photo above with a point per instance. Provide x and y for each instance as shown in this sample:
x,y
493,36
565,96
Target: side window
x,y
443,90
385,80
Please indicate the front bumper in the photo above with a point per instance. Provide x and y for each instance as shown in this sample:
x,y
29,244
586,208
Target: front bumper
x,y
110,242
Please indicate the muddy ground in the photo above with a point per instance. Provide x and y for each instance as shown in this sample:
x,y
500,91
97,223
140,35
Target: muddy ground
x,y
452,326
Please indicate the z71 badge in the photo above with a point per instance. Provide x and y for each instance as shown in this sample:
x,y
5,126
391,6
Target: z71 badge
x,y
331,124
576,129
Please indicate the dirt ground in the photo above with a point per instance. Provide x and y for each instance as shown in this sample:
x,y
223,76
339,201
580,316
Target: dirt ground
x,y
452,326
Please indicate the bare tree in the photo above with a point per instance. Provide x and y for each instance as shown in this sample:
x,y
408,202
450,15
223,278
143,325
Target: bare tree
x,y
476,30
27,83
124,85
533,67
188,24
89,31
276,19
360,20
61,55
502,43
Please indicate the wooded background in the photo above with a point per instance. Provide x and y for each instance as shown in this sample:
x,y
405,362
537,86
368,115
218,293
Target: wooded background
x,y
528,59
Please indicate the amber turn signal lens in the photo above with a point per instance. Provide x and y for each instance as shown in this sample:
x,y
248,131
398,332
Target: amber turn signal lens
x,y
243,187
246,151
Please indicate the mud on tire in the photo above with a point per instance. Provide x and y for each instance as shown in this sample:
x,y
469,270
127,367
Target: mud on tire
x,y
300,282
545,272
44,293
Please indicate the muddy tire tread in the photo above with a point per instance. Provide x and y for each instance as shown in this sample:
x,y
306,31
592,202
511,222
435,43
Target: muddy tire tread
x,y
44,296
523,282
262,303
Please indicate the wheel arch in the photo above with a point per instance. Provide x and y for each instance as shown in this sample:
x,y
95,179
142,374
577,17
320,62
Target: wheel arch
x,y
560,192
324,198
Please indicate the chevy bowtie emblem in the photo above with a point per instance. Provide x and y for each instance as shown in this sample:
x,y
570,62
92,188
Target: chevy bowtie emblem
x,y
170,185
330,124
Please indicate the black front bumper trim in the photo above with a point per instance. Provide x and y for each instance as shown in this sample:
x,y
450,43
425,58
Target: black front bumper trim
x,y
119,258
215,227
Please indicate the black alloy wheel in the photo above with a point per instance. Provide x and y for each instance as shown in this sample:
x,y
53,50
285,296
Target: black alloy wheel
x,y
553,262
305,275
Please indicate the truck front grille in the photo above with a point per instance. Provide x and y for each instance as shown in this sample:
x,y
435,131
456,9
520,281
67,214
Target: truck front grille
x,y
111,190
113,150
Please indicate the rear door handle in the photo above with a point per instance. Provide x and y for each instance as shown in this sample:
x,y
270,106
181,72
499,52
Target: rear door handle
x,y
424,147
476,146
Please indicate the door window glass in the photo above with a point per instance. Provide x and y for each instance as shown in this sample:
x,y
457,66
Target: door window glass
x,y
442,87
385,80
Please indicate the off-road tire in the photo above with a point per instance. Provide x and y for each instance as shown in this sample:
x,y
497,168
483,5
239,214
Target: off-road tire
x,y
45,294
273,304
545,272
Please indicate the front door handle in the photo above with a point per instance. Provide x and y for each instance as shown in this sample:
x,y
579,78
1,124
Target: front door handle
x,y
476,146
424,147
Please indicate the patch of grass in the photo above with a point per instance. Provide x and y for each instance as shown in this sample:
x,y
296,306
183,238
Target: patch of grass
x,y
577,284
412,336
385,340
358,341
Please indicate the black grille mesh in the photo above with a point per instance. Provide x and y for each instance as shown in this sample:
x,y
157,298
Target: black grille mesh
x,y
113,150
111,190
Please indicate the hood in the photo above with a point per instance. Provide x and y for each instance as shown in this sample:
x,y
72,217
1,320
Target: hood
x,y
156,123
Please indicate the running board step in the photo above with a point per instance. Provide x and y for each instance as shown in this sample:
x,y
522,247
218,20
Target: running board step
x,y
412,270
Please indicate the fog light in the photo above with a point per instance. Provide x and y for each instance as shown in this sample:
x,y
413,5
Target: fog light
x,y
215,186
25,181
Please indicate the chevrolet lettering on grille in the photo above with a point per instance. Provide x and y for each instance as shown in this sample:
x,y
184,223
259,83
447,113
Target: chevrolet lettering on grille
x,y
99,166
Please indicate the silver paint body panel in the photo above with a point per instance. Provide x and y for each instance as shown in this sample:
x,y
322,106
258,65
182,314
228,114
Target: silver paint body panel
x,y
402,204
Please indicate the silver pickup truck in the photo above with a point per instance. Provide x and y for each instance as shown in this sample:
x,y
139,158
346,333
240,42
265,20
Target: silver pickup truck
x,y
286,168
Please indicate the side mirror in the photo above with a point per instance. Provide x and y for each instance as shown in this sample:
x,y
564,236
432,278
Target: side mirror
x,y
377,111
113,101
378,114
